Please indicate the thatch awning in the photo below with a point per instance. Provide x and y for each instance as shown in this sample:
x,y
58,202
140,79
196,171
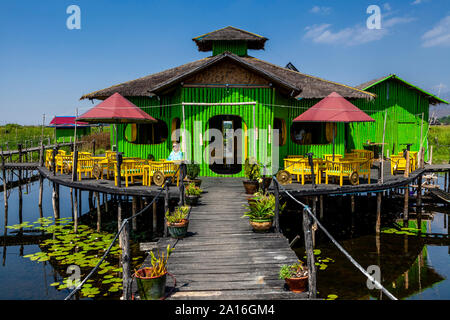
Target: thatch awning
x,y
299,84
254,41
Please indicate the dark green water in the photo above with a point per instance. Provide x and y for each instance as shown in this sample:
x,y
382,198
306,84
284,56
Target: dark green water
x,y
411,267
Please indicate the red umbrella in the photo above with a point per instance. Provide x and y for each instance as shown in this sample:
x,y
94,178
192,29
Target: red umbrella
x,y
334,108
116,109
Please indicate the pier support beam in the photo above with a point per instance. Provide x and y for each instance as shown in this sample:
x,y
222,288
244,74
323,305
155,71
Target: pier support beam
x,y
99,211
307,230
378,221
124,239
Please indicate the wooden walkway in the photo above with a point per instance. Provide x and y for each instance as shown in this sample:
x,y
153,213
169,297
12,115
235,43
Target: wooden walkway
x,y
222,258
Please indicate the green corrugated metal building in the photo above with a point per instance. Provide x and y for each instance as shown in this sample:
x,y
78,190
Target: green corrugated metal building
x,y
232,90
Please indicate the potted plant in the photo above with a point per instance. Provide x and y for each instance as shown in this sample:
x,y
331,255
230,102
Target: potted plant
x,y
193,193
177,222
253,174
192,172
261,210
151,281
295,276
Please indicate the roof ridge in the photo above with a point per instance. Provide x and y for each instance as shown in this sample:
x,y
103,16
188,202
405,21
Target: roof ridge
x,y
314,77
140,78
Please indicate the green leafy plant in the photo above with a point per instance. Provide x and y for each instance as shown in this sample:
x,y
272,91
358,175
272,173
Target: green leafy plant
x,y
192,170
262,206
193,190
252,169
159,262
179,214
296,270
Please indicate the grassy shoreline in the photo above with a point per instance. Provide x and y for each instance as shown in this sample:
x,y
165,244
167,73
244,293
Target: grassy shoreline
x,y
439,138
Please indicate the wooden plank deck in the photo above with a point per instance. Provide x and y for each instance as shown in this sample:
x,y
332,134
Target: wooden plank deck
x,y
107,186
222,258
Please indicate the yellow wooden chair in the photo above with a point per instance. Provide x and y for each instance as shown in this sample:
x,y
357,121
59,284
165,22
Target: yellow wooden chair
x,y
300,168
85,166
398,163
64,163
341,169
130,170
158,171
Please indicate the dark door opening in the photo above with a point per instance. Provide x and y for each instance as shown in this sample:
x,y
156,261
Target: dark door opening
x,y
230,157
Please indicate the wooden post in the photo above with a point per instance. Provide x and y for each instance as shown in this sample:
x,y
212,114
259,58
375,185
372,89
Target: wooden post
x,y
54,161
277,206
41,155
406,201
133,212
99,212
80,205
431,155
181,187
419,203
119,219
378,221
124,239
75,166
155,218
105,200
321,207
119,162
55,200
91,200
5,195
75,213
93,147
352,200
307,230
166,206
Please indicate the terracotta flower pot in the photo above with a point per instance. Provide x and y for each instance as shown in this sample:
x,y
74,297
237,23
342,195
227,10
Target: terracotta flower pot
x,y
178,230
251,186
297,284
261,225
150,288
192,200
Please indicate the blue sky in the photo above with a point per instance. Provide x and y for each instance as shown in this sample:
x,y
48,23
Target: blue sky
x,y
45,67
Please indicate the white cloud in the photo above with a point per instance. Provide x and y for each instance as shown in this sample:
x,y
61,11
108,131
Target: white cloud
x,y
439,35
350,36
416,2
320,10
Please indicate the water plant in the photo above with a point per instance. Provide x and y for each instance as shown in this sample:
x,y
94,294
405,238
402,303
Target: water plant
x,y
193,190
295,270
178,215
61,247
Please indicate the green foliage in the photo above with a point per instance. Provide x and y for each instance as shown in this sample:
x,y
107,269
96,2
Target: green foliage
x,y
192,170
193,190
252,169
295,270
84,249
263,206
179,214
159,262
445,120
439,138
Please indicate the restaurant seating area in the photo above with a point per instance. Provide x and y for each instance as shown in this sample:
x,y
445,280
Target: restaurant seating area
x,y
336,168
132,169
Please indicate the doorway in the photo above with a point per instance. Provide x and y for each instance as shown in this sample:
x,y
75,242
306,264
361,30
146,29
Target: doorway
x,y
226,157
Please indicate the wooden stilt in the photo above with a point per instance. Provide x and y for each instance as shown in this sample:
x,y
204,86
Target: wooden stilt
x,y
119,218
75,213
307,230
133,212
80,205
5,182
155,217
419,202
166,207
378,221
99,212
41,190
124,239
406,202
321,207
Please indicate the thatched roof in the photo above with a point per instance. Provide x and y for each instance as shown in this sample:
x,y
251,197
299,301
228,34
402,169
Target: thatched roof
x,y
432,98
299,84
254,41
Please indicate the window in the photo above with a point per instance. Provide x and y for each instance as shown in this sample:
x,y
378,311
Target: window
x,y
176,124
151,133
307,133
280,125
